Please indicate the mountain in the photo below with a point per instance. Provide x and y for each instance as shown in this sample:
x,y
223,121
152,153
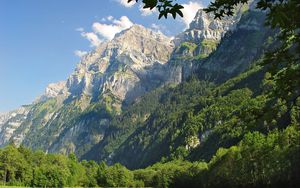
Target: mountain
x,y
108,106
111,76
125,67
238,48
206,109
147,140
11,121
202,38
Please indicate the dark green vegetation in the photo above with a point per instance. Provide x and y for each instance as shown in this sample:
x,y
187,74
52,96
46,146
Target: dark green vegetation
x,y
258,160
249,137
242,130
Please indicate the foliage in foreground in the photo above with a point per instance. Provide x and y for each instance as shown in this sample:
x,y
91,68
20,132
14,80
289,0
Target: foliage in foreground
x,y
258,160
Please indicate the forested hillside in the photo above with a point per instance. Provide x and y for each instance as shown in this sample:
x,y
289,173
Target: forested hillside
x,y
218,106
248,138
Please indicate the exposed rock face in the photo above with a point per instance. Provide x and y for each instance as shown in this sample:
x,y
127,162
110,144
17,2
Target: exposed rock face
x,y
11,121
238,38
136,61
122,65
239,48
198,42
54,90
72,115
204,26
3,117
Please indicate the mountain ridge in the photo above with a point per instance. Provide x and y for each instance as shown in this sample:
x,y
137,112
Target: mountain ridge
x,y
75,115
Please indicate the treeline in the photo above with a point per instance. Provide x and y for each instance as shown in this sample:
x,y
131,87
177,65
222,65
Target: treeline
x,y
253,136
259,160
193,120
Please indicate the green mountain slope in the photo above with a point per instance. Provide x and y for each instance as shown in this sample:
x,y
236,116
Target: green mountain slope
x,y
179,121
219,123
204,135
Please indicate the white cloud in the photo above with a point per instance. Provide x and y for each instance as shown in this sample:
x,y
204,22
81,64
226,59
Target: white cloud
x,y
80,53
189,12
108,31
92,37
105,31
124,22
125,3
109,18
80,29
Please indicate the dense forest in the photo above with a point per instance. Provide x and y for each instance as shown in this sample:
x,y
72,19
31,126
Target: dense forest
x,y
257,143
237,130
258,160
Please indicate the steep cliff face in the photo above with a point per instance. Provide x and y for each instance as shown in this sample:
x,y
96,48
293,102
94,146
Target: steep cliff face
x,y
238,48
53,90
158,135
93,113
11,121
205,32
122,67
216,50
196,43
204,26
72,115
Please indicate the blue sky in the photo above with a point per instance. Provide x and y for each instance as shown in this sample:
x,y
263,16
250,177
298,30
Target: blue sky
x,y
41,40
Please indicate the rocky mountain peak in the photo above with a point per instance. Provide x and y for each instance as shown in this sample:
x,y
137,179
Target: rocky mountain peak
x,y
53,90
119,66
205,26
75,115
210,27
150,43
139,31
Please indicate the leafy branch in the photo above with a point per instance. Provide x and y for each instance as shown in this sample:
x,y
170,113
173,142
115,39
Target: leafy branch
x,y
164,7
